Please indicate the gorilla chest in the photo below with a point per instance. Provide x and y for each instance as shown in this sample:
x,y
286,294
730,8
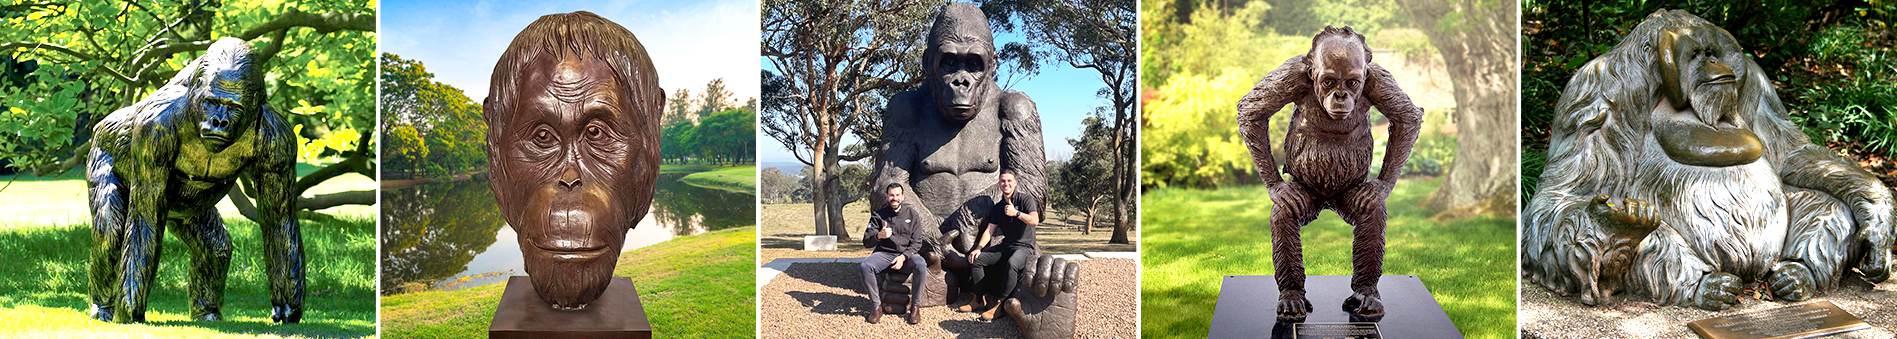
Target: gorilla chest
x,y
202,176
957,165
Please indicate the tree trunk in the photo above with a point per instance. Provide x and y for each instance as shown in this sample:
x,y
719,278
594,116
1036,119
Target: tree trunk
x,y
819,196
1480,53
832,190
1122,175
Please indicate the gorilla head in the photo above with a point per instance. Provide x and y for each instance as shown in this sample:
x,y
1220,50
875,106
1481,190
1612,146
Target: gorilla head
x,y
1339,58
960,62
573,148
226,96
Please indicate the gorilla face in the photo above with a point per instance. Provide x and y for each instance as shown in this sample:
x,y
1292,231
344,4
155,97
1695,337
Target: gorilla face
x,y
1700,120
1338,65
567,154
960,62
223,102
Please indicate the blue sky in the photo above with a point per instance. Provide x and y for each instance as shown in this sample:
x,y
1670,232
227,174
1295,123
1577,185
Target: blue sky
x,y
690,42
1063,94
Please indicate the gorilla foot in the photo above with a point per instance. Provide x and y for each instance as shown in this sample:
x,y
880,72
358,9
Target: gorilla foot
x,y
1791,281
286,314
1364,307
1717,291
1292,306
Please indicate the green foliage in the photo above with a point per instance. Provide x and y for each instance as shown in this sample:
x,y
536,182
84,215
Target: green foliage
x,y
724,137
1857,110
1205,235
775,187
65,65
432,128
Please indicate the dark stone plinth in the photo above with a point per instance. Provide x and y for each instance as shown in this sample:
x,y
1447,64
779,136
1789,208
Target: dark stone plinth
x,y
1248,307
616,314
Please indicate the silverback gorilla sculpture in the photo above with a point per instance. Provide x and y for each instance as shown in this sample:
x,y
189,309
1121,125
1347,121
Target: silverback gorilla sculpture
x,y
166,161
1674,174
1328,151
948,142
573,143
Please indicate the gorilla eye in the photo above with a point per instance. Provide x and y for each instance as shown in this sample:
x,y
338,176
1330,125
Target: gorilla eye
x,y
544,137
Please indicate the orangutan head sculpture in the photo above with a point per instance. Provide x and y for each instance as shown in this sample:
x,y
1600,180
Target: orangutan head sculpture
x,y
1674,174
573,148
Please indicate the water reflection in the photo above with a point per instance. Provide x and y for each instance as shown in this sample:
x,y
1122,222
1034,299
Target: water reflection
x,y
451,235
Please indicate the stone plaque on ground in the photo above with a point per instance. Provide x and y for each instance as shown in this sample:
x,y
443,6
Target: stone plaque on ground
x,y
1248,308
1805,320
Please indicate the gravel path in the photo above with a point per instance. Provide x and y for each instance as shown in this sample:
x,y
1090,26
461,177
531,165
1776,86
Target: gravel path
x,y
1545,315
823,300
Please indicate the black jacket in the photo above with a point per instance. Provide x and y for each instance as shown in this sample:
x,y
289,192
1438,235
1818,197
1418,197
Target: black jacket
x,y
904,236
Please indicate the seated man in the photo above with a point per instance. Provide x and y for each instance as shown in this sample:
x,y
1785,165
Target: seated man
x,y
1008,237
896,242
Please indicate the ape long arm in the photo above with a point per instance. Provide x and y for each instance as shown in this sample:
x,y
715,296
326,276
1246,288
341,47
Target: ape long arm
x,y
1283,86
272,182
1021,149
1405,121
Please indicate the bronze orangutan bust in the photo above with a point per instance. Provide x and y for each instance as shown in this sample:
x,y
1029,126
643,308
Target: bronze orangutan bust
x,y
1674,174
166,161
1328,152
573,148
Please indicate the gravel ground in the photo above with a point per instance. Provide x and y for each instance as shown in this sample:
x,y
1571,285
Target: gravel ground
x,y
823,300
1545,315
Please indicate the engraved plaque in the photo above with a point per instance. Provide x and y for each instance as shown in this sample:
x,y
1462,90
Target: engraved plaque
x,y
1336,331
1797,321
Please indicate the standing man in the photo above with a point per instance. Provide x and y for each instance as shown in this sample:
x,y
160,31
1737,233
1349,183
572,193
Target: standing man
x,y
1009,241
896,242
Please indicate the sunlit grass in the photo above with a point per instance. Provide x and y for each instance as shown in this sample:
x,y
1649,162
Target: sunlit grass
x,y
1194,237
741,179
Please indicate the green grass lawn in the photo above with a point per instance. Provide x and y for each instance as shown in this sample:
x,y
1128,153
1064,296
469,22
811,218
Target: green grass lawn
x,y
1193,238
741,179
43,285
693,287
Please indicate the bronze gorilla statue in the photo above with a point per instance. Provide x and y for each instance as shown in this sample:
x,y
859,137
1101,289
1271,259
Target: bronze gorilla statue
x,y
948,143
573,149
166,161
1328,150
1674,174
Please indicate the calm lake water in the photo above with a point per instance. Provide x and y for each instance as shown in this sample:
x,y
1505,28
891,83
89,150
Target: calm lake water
x,y
451,235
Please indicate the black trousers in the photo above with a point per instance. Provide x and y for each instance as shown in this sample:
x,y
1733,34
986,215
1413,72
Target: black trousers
x,y
1004,262
879,261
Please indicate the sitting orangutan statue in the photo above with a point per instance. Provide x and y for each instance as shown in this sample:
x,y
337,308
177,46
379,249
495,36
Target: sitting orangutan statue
x,y
166,161
948,142
1674,174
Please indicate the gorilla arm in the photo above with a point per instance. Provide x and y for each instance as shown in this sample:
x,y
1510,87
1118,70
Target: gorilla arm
x,y
1021,148
899,151
1405,120
1283,86
1801,163
272,180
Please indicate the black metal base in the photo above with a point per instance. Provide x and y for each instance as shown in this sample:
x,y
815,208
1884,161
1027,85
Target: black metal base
x,y
1248,307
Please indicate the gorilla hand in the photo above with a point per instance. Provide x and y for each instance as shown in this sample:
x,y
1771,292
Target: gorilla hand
x,y
1046,305
1791,281
1629,216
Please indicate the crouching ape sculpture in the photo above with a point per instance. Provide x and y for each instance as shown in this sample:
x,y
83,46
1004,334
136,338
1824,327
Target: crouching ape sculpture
x,y
1328,152
166,161
948,141
1674,174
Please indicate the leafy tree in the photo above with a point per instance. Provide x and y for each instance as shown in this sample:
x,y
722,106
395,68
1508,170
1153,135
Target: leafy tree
x,y
1085,181
775,187
449,124
715,98
74,62
833,66
404,149
679,107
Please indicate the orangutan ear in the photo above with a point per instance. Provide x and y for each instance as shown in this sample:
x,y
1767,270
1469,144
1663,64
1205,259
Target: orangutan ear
x,y
1670,68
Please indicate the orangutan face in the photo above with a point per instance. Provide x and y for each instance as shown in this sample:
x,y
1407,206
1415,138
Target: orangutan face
x,y
1338,65
569,152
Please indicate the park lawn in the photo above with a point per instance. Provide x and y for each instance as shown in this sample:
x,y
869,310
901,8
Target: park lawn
x,y
1193,238
739,179
43,292
693,287
50,201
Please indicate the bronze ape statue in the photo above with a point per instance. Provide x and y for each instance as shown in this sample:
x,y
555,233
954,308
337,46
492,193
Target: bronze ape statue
x,y
1674,174
1328,152
166,161
948,142
573,149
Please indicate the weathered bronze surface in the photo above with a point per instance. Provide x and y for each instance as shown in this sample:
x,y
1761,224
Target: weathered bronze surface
x,y
166,161
1328,152
573,148
1818,318
1674,175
